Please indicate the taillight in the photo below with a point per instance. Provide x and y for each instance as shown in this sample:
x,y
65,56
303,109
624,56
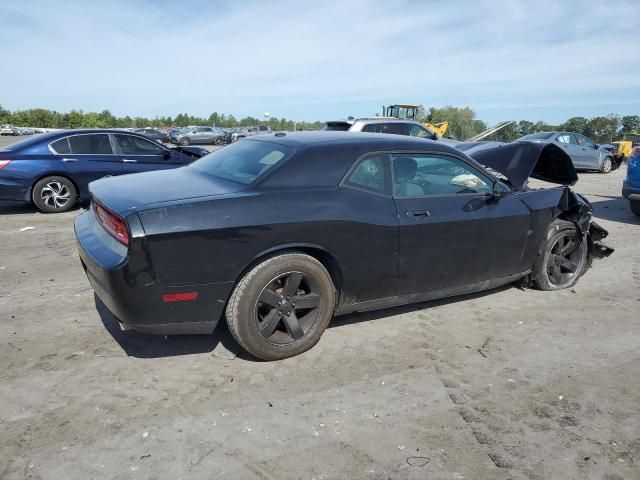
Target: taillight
x,y
4,163
111,222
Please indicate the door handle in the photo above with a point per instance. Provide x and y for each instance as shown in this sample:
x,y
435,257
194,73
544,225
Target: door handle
x,y
69,159
417,214
127,160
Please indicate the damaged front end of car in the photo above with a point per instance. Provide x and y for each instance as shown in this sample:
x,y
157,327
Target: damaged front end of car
x,y
519,161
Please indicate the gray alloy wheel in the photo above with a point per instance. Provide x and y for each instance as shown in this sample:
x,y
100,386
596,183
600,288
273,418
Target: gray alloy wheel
x,y
563,259
217,141
54,194
607,165
184,141
281,307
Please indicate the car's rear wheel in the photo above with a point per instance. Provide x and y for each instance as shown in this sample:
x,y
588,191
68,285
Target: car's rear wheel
x,y
563,257
54,194
184,141
607,165
282,306
635,206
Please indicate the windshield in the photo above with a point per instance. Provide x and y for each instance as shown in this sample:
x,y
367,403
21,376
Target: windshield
x,y
537,136
243,162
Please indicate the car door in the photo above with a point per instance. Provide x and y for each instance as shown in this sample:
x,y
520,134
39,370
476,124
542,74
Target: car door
x,y
87,157
589,154
567,141
453,230
140,155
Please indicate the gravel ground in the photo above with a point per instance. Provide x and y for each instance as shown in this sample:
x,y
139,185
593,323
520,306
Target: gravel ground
x,y
508,384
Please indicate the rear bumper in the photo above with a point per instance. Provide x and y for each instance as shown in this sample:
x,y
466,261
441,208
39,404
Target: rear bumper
x,y
125,283
14,189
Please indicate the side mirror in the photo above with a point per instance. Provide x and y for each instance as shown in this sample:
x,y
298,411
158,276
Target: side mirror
x,y
496,192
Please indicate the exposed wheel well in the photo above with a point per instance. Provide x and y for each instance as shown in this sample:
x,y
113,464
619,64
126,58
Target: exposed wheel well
x,y
327,260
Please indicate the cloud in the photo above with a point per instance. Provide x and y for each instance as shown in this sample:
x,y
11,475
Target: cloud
x,y
310,60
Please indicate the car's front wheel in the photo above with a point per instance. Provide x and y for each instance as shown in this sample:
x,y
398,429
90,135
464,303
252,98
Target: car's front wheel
x,y
54,194
282,306
607,165
184,141
563,257
635,206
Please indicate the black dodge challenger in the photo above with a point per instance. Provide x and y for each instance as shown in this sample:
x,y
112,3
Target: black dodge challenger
x,y
280,232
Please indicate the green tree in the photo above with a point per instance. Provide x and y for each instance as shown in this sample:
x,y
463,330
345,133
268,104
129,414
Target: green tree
x,y
576,124
603,129
630,123
462,121
525,127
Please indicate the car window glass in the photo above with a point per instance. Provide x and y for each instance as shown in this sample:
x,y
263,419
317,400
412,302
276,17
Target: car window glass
x,y
418,131
418,175
243,161
61,146
369,174
584,141
130,145
564,138
96,144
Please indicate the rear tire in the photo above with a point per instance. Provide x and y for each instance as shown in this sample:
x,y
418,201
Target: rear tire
x,y
262,313
184,142
54,194
607,165
563,257
635,206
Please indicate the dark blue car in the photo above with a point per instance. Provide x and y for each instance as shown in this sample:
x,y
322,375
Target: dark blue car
x,y
53,170
631,185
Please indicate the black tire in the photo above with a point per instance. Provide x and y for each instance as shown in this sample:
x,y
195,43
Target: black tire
x,y
54,194
218,141
635,206
184,141
563,257
607,165
270,330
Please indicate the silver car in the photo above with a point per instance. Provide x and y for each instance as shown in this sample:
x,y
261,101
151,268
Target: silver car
x,y
584,152
201,135
249,131
392,126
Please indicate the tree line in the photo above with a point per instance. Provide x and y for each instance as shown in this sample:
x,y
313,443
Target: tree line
x,y
44,118
463,123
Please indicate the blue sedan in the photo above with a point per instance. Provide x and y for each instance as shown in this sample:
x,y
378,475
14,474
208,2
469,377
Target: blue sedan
x,y
53,170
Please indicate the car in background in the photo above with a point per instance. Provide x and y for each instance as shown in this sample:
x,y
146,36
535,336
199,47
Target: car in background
x,y
279,232
391,126
152,134
245,132
53,170
198,135
631,184
584,152
8,130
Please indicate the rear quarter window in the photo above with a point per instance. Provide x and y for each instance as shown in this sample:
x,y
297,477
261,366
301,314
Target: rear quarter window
x,y
61,146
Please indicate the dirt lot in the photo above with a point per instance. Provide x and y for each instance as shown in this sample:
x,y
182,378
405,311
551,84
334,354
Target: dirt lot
x,y
512,383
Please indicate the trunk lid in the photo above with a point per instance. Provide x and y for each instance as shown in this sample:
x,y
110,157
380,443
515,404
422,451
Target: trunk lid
x,y
125,194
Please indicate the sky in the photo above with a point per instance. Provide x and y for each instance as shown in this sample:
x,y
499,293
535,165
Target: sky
x,y
322,60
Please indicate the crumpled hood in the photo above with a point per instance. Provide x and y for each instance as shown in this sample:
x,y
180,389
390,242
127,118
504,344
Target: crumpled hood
x,y
520,160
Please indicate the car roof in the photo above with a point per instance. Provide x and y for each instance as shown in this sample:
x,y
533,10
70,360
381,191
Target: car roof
x,y
57,134
385,141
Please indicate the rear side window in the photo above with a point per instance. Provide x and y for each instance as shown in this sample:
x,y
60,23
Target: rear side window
x,y
61,146
244,161
96,144
395,128
566,138
370,174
